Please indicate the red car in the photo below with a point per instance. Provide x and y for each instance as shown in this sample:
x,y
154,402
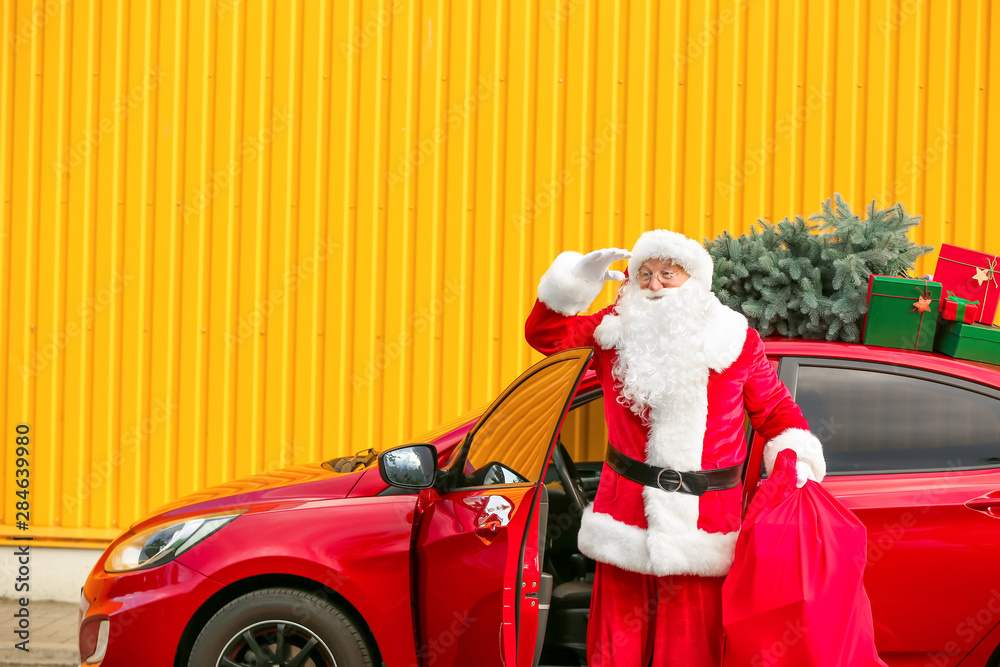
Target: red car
x,y
463,552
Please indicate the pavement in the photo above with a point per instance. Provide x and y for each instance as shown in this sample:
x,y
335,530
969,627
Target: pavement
x,y
52,642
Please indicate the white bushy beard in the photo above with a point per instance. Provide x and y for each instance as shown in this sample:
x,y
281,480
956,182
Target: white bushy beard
x,y
660,353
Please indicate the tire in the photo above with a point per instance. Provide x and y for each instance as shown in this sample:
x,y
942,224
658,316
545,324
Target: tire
x,y
287,617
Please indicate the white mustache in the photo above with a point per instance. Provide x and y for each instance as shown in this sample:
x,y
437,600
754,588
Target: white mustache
x,y
650,294
662,292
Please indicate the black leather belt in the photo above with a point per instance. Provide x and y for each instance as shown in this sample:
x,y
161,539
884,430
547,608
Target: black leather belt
x,y
696,483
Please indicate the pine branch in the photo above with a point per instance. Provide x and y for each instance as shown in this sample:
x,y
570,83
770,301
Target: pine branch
x,y
809,277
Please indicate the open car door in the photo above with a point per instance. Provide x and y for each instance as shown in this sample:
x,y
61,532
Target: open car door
x,y
480,533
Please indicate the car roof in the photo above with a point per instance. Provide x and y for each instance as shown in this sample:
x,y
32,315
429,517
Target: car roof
x,y
934,361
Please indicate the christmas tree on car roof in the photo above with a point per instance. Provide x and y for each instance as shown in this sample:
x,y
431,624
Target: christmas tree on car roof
x,y
809,278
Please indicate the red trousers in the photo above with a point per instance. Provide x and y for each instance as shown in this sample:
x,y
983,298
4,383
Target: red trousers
x,y
639,620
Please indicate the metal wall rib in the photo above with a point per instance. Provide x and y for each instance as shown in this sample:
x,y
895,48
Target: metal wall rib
x,y
238,235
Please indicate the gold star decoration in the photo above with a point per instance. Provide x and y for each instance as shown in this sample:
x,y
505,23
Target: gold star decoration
x,y
923,305
982,275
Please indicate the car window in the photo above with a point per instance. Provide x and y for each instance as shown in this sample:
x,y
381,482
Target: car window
x,y
511,442
886,419
585,431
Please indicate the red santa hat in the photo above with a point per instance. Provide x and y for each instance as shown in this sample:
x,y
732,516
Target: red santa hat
x,y
664,244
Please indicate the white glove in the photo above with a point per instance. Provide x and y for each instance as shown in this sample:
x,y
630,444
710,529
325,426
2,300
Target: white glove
x,y
594,265
803,473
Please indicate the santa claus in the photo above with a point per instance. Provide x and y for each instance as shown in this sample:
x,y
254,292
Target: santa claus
x,y
679,372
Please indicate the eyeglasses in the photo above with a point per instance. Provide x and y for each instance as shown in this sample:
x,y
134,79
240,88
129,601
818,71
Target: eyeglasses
x,y
645,276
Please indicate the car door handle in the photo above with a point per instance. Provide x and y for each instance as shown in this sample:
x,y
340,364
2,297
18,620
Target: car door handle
x,y
983,504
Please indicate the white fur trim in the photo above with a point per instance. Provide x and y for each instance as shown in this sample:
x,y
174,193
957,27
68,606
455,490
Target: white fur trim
x,y
676,439
665,244
806,446
609,332
696,552
677,428
677,420
563,291
608,540
699,553
725,335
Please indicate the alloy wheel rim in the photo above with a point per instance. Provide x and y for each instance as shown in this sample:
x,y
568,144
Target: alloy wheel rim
x,y
276,643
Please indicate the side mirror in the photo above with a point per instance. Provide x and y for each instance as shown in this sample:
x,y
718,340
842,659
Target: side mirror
x,y
409,467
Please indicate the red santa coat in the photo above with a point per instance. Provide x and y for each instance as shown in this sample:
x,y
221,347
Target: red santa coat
x,y
647,530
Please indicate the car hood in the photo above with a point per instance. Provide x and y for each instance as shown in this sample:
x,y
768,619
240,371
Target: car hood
x,y
297,484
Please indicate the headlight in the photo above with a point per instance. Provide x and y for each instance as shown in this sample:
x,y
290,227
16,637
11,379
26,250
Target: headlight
x,y
160,544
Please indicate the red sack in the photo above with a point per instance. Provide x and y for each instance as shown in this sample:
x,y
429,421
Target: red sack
x,y
794,595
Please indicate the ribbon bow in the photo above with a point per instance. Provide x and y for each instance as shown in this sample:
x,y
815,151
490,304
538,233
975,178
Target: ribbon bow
x,y
923,302
987,274
959,300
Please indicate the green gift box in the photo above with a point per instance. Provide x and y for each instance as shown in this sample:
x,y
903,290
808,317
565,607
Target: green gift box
x,y
902,312
978,342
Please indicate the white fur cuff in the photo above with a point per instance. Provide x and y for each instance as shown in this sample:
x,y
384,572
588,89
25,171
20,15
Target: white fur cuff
x,y
563,291
805,445
699,552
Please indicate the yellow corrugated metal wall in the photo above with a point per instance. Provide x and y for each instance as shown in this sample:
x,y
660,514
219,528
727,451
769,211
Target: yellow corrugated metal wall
x,y
242,234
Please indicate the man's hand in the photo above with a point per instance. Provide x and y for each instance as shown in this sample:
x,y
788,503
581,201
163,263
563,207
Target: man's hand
x,y
803,473
594,265
573,280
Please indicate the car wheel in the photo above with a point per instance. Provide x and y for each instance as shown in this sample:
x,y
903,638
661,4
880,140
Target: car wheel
x,y
280,626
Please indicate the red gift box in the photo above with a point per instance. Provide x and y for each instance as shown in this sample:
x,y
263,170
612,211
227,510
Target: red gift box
x,y
971,275
956,309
